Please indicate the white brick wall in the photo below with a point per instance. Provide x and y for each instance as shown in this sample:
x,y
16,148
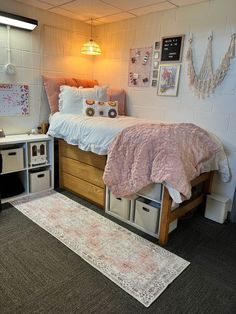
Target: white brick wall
x,y
27,51
216,113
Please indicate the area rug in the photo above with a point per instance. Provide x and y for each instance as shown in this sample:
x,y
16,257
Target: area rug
x,y
141,268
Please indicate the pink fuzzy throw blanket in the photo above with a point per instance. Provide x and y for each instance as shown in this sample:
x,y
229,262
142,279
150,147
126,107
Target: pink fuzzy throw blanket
x,y
170,153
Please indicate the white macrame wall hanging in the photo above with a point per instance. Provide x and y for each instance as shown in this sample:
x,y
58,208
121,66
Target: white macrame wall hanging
x,y
204,83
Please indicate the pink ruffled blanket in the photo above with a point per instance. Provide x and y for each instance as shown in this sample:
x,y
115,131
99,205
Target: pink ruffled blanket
x,y
170,153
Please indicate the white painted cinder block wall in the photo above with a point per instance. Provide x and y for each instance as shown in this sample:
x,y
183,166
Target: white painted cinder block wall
x,y
28,55
216,113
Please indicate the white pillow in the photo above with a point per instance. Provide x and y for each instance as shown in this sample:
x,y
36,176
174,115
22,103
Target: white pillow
x,y
71,98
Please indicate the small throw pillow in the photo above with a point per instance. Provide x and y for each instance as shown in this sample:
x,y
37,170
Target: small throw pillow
x,y
71,98
93,108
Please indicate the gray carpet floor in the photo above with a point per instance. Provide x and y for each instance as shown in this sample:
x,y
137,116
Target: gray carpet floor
x,y
38,274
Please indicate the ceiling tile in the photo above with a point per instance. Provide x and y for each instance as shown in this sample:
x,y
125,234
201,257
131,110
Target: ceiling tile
x,y
153,8
131,4
36,3
66,13
186,2
115,17
55,3
90,9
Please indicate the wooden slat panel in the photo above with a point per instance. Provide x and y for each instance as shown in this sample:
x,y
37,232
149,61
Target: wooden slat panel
x,y
82,188
89,158
83,171
182,210
203,177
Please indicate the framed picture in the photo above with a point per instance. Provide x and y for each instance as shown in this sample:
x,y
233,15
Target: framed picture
x,y
154,83
157,45
171,48
155,74
156,55
155,64
168,79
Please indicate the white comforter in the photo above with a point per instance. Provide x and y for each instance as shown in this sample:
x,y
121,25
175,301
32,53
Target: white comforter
x,y
93,134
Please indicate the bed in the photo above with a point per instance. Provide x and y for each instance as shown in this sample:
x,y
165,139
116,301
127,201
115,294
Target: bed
x,y
86,160
83,147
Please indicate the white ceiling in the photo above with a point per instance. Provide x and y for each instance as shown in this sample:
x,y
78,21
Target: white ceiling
x,y
106,11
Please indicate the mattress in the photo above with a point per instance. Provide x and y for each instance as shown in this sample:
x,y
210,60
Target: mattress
x,y
93,134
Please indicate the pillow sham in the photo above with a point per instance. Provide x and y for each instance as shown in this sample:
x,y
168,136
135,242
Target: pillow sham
x,y
93,108
119,95
71,98
52,88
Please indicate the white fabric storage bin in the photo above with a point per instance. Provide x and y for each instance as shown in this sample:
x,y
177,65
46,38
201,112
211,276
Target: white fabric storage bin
x,y
120,206
217,208
12,159
147,214
152,191
39,180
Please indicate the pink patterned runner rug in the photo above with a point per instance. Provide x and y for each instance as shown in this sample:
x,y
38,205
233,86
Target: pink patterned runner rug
x,y
141,268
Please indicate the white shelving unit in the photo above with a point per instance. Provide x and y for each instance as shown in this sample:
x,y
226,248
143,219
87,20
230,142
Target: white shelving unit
x,y
143,211
23,169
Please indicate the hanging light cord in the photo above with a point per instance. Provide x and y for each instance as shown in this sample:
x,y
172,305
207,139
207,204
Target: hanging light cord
x,y
91,30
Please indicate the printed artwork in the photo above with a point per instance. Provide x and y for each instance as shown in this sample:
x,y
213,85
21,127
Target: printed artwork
x,y
14,100
168,79
140,62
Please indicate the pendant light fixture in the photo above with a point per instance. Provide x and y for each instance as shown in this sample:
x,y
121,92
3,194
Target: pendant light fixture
x,y
91,47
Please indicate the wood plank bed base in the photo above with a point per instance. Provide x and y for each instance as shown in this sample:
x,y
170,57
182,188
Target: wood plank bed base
x,y
81,173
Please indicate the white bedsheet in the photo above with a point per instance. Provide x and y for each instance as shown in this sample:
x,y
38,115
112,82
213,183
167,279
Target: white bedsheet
x,y
93,134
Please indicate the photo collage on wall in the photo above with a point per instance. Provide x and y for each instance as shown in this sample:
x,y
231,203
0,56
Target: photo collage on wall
x,y
140,62
155,64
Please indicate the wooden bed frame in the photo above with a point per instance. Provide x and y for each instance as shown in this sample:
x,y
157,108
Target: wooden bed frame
x,y
81,173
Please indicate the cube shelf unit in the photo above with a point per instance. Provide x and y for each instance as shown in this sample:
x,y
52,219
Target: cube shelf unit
x,y
143,211
17,158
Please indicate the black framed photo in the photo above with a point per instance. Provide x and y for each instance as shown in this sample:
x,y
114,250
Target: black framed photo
x,y
154,83
171,48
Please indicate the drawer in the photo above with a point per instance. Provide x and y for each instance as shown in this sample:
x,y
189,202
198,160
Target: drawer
x,y
39,181
152,191
147,214
120,206
82,171
12,159
73,152
83,188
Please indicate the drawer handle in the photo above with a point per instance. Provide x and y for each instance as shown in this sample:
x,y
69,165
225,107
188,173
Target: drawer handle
x,y
146,209
12,154
40,175
118,198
